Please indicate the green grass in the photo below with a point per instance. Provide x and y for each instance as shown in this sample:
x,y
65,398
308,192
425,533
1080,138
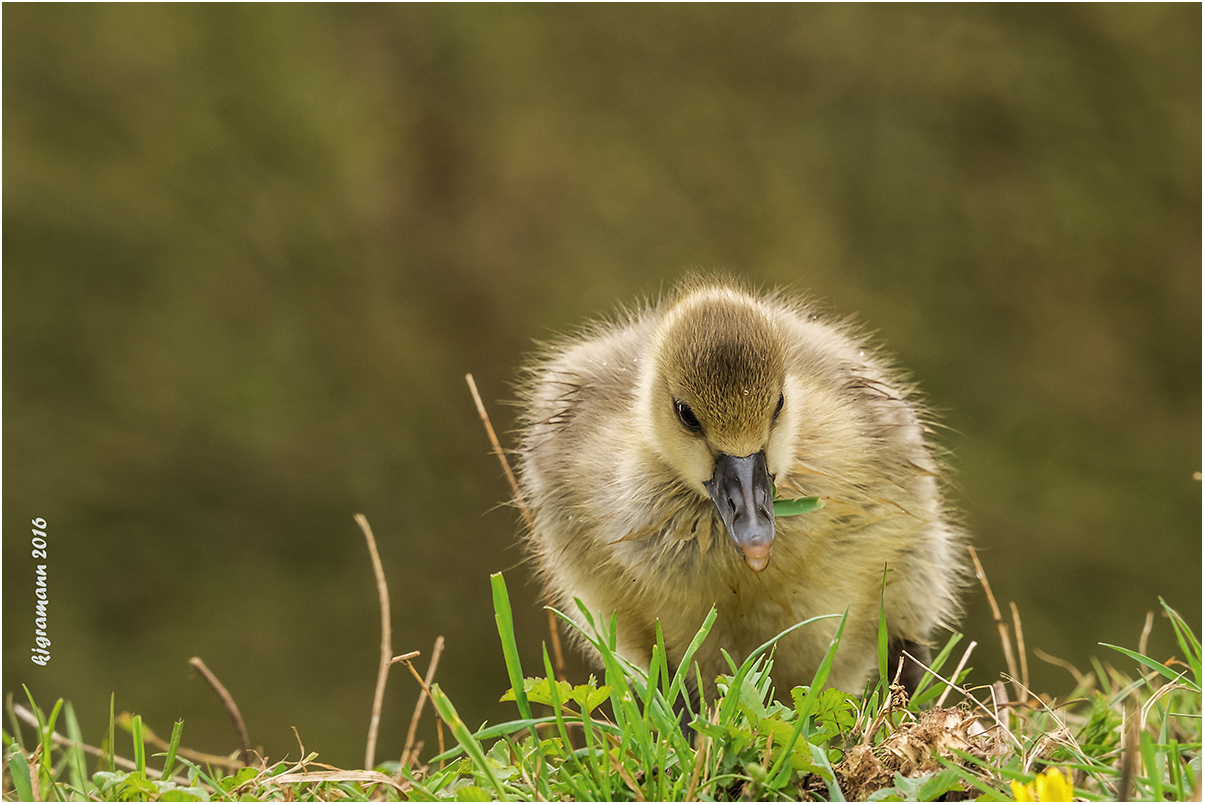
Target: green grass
x,y
621,739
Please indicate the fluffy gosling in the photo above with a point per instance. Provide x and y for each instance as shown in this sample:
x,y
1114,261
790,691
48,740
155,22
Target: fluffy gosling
x,y
650,449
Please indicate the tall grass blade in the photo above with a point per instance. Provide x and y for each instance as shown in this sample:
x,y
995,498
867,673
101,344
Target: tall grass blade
x,y
45,728
12,719
924,692
1153,773
173,747
803,721
1142,659
465,738
679,681
1188,641
77,764
658,668
112,731
139,746
510,648
886,674
628,716
580,793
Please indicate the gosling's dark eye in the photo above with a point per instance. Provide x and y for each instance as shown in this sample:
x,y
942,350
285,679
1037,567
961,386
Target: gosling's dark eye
x,y
686,416
778,408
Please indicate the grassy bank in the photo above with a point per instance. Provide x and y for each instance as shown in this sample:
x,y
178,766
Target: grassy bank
x,y
1130,729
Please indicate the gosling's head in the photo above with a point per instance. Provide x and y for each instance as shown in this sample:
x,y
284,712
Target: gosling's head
x,y
715,393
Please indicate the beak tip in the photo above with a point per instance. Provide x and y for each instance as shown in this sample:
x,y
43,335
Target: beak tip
x,y
757,561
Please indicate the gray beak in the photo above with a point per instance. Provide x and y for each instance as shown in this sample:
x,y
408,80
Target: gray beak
x,y
740,488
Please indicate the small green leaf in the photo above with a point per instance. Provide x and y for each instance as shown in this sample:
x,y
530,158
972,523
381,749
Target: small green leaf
x,y
786,507
938,784
183,794
590,697
473,793
19,772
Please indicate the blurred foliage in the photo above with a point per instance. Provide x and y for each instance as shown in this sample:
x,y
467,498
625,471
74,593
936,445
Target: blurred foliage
x,y
251,251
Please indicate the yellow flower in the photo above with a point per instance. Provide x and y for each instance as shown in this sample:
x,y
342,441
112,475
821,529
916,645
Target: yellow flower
x,y
1049,786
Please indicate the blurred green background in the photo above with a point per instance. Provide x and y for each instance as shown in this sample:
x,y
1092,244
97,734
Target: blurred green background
x,y
251,251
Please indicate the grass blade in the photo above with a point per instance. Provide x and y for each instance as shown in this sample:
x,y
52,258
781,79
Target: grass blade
x,y
172,747
510,648
77,764
465,738
139,746
1154,665
580,793
830,777
1153,772
44,729
18,767
886,674
728,709
1187,640
924,692
112,731
679,681
12,719
803,722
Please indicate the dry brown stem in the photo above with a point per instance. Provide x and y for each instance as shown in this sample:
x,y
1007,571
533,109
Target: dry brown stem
x,y
439,729
1020,643
1009,658
371,777
378,696
1081,680
236,717
700,759
1146,632
558,657
423,694
966,655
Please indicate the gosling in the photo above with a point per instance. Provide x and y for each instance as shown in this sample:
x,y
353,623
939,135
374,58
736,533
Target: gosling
x,y
650,453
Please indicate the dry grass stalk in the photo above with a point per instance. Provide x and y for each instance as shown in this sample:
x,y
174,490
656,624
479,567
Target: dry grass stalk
x,y
423,694
700,759
378,697
236,717
623,773
1081,680
992,713
966,655
558,657
1146,632
426,686
1020,643
339,776
1009,658
1129,754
